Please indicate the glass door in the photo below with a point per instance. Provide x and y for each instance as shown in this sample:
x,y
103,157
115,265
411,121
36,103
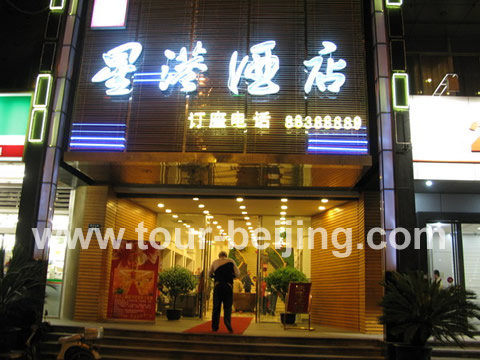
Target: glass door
x,y
471,254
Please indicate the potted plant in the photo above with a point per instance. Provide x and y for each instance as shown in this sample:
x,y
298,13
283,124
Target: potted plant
x,y
176,281
279,280
416,308
22,291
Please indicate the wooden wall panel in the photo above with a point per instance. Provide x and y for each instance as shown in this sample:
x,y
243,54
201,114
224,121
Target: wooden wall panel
x,y
346,291
373,265
92,261
102,207
336,281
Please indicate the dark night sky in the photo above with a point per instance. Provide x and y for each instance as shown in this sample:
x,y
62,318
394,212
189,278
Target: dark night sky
x,y
22,27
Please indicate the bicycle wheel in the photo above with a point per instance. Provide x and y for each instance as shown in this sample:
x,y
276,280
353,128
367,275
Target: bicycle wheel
x,y
78,353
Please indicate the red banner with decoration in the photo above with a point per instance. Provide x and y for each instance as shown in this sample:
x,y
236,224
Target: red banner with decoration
x,y
133,282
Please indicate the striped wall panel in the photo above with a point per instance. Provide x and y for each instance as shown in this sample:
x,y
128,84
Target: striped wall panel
x,y
346,291
102,207
92,261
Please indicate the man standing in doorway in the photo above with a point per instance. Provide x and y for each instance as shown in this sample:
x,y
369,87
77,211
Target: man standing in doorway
x,y
223,270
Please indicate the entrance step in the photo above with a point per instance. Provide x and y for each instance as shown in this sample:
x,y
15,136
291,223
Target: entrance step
x,y
134,344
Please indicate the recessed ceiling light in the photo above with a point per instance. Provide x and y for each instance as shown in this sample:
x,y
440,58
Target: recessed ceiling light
x,y
206,212
247,217
324,201
175,216
282,219
201,206
161,205
215,223
249,223
284,207
242,207
250,228
180,221
188,226
283,223
219,227
168,211
429,183
283,213
239,199
284,200
321,208
195,199
244,213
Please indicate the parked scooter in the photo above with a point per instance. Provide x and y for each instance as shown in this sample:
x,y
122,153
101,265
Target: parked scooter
x,y
81,346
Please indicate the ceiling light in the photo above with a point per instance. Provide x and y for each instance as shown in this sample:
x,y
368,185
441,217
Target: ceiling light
x,y
175,216
429,183
180,221
239,199
250,228
168,211
283,223
284,200
219,226
206,212
283,213
215,223
201,206
249,223
324,201
195,199
282,219
188,226
244,213
284,207
321,208
160,205
247,217
243,207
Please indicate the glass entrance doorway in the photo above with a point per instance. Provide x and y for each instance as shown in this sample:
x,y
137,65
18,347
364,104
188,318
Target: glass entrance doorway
x,y
269,234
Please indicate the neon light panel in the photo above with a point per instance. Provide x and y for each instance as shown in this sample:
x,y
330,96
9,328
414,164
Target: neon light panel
x,y
119,61
42,90
183,72
109,14
57,5
261,70
400,91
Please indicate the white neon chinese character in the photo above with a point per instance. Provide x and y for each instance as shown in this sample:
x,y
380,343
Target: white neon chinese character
x,y
337,79
196,120
262,119
184,72
238,120
218,120
261,70
119,62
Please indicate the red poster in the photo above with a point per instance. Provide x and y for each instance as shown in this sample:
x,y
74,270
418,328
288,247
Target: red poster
x,y
133,283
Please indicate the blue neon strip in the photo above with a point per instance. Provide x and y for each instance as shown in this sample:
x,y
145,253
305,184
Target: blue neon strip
x,y
327,148
147,74
97,138
85,124
335,134
97,145
99,131
364,142
147,77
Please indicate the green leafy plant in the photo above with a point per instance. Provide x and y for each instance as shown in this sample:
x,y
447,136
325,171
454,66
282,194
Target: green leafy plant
x,y
22,291
177,281
416,308
281,278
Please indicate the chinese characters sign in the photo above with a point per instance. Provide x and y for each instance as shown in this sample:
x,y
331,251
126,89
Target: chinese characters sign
x,y
258,77
261,70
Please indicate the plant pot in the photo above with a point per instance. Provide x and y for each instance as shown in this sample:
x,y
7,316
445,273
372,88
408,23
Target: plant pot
x,y
174,314
410,352
9,338
288,319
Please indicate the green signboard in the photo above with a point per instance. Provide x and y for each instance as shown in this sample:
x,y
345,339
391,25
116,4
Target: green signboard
x,y
14,115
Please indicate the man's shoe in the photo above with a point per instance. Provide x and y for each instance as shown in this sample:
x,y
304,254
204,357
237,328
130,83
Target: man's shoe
x,y
230,331
215,330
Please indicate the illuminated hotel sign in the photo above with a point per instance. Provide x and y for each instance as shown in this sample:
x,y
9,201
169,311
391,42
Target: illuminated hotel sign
x,y
14,115
281,78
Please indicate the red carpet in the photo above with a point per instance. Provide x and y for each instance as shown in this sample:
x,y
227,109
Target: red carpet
x,y
239,325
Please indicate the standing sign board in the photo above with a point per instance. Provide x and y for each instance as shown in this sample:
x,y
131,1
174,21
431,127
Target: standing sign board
x,y
299,301
133,283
